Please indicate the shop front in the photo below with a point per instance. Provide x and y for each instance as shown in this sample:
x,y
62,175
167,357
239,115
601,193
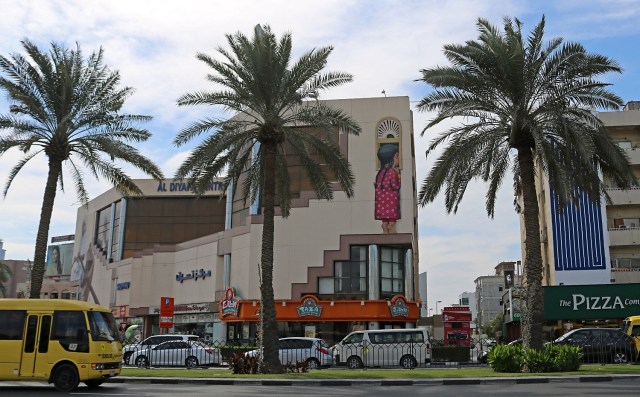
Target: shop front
x,y
330,320
599,305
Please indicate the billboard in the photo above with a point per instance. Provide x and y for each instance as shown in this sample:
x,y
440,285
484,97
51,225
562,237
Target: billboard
x,y
59,258
587,302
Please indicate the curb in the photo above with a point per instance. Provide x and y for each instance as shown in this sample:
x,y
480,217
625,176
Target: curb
x,y
375,382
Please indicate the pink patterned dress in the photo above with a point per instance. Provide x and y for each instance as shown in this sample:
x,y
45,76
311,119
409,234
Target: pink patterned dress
x,y
387,186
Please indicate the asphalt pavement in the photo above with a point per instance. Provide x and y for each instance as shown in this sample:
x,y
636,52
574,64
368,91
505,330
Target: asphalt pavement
x,y
376,382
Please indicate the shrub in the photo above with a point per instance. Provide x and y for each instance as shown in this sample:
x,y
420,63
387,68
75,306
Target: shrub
x,y
554,358
506,358
568,358
539,361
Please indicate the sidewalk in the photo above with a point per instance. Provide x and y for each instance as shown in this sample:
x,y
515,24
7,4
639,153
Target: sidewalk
x,y
376,382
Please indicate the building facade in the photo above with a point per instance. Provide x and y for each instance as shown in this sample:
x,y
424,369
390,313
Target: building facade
x,y
490,289
596,244
334,268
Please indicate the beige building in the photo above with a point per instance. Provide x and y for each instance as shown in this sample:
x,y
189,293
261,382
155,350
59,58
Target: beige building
x,y
334,269
596,244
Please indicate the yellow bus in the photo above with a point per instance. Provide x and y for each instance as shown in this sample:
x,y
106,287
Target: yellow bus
x,y
60,341
631,327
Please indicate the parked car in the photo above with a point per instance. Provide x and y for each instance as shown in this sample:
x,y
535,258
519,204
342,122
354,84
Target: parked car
x,y
177,353
313,351
152,341
601,344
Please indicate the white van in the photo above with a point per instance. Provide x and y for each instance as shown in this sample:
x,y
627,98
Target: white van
x,y
406,348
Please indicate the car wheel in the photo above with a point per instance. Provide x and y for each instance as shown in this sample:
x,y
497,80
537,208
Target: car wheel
x,y
65,378
142,361
93,383
126,357
313,363
620,358
354,362
408,362
191,362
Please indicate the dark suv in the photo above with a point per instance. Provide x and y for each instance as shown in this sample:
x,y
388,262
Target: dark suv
x,y
151,342
601,344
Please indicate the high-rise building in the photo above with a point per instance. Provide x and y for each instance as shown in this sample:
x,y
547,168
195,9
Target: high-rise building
x,y
596,243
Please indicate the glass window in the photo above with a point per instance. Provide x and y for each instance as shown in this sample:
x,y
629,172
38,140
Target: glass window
x,y
391,271
12,324
353,338
103,326
325,285
69,325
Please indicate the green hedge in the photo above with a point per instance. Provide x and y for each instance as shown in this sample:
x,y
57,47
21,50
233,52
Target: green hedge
x,y
553,358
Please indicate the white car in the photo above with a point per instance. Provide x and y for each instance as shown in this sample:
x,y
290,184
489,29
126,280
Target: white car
x,y
313,351
152,341
180,353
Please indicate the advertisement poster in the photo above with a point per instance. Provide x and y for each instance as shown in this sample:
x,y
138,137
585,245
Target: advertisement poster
x,y
59,258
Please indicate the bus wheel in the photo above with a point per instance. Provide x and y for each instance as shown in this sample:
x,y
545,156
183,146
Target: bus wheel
x,y
408,362
65,378
93,383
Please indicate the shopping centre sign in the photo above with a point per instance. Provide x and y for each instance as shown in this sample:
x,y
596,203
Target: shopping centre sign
x,y
584,302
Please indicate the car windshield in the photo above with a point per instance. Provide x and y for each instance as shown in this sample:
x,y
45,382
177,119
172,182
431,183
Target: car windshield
x,y
353,338
103,326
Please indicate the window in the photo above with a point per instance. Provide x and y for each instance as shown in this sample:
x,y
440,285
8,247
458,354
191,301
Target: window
x,y
351,276
391,271
353,338
69,325
103,326
12,324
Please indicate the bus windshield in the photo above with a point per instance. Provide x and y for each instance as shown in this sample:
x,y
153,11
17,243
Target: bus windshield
x,y
103,326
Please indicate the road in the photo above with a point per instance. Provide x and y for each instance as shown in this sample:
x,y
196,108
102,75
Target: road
x,y
566,389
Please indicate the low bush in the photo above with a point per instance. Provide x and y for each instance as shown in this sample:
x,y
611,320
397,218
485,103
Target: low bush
x,y
506,358
553,358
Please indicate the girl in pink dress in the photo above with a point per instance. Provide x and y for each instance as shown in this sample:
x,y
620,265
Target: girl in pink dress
x,y
387,188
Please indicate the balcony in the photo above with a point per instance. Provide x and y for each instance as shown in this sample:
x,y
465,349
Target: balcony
x,y
624,236
624,197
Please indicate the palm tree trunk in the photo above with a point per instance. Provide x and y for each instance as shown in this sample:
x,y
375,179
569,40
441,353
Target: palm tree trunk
x,y
533,306
37,273
269,322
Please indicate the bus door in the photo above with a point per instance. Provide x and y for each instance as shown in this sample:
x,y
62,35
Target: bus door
x,y
34,361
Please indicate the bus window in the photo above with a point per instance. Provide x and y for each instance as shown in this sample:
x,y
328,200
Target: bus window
x,y
45,331
103,326
12,324
30,340
70,328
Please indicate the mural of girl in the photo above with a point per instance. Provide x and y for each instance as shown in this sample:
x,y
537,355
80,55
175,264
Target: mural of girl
x,y
387,188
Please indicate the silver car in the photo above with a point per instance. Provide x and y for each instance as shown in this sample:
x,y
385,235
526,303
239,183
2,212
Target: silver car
x,y
177,353
312,351
150,342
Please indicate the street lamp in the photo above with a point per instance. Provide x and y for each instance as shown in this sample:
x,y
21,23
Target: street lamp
x,y
437,306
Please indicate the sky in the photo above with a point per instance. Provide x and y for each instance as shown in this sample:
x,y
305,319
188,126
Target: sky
x,y
383,43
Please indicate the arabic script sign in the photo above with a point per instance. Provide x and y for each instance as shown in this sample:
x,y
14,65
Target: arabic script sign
x,y
194,275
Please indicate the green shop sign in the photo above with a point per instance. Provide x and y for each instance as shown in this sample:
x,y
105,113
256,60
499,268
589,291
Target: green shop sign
x,y
585,302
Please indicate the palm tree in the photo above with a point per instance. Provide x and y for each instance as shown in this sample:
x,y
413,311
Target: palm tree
x,y
68,108
527,106
5,273
269,95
